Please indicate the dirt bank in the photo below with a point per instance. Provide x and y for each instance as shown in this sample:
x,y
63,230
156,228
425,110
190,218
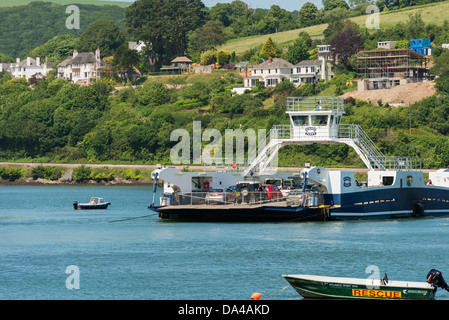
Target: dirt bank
x,y
402,95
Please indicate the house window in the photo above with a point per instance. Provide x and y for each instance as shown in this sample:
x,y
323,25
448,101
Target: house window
x,y
85,74
269,70
298,70
312,69
255,71
275,70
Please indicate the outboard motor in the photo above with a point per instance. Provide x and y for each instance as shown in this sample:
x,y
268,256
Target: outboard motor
x,y
435,277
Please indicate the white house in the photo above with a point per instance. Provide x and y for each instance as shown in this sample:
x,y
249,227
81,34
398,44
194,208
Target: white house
x,y
81,68
28,67
134,45
270,72
305,71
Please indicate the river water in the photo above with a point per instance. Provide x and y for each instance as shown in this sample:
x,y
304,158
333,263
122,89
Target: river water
x,y
50,251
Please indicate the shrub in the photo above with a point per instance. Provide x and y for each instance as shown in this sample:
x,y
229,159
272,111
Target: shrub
x,y
82,173
51,173
208,57
11,173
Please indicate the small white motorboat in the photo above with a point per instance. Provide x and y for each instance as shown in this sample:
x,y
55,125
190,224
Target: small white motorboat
x,y
94,203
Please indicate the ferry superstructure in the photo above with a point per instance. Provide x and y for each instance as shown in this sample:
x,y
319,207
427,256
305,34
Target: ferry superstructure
x,y
395,186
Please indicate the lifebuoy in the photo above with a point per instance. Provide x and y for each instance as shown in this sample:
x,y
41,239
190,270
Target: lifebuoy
x,y
206,185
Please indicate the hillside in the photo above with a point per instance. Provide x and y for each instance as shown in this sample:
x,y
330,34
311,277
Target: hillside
x,y
434,13
13,3
23,28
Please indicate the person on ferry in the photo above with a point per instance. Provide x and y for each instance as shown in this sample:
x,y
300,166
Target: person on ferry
x,y
429,183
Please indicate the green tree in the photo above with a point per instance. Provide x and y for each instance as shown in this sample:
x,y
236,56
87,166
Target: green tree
x,y
208,57
268,49
163,25
332,4
345,44
103,34
153,93
208,36
276,19
308,14
184,17
56,49
441,68
147,23
415,26
124,61
223,57
299,50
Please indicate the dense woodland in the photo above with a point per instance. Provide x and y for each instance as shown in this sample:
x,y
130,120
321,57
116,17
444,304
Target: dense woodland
x,y
54,121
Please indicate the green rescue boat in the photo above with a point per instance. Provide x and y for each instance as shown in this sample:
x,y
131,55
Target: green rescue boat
x,y
324,287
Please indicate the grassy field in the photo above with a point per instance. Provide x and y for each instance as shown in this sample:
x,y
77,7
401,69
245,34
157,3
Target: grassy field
x,y
13,3
431,13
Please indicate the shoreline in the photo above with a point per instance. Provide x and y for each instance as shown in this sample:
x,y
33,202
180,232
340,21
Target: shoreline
x,y
118,181
47,182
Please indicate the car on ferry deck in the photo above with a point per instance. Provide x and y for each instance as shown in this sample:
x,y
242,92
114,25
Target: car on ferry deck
x,y
273,191
294,198
215,196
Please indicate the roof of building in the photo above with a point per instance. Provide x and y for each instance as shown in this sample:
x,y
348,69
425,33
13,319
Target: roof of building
x,y
181,59
24,62
80,58
275,63
308,63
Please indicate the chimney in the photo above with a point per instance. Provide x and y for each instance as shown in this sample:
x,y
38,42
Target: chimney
x,y
28,61
18,60
38,61
270,60
75,53
97,54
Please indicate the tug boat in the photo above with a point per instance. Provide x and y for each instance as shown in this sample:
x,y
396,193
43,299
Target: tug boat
x,y
395,186
324,287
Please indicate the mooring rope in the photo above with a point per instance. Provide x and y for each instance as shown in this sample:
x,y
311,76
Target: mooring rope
x,y
278,291
132,218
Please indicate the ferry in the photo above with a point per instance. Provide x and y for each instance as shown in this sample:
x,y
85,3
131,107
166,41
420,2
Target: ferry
x,y
395,187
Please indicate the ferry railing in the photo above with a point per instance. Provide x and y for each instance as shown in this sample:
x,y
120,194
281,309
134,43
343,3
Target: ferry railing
x,y
225,164
281,132
372,152
223,198
309,198
318,103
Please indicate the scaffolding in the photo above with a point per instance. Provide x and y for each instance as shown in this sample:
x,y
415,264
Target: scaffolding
x,y
383,69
